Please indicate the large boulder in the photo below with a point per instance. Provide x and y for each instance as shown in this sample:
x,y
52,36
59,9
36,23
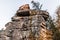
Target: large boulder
x,y
26,24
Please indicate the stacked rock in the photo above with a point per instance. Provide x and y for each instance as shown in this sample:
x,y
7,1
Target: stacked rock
x,y
26,24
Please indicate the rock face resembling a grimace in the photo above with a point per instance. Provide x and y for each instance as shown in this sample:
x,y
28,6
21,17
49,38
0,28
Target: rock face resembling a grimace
x,y
27,24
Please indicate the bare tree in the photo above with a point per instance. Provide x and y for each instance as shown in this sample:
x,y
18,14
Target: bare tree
x,y
36,5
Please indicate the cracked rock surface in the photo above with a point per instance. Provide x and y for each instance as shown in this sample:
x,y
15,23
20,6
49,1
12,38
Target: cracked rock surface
x,y
26,24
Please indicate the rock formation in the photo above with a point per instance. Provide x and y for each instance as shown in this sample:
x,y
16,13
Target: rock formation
x,y
28,24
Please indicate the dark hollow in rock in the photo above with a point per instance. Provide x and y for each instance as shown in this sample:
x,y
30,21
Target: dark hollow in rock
x,y
45,17
24,13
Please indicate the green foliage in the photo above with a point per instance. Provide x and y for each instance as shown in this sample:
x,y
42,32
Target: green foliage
x,y
1,30
51,26
57,24
50,23
56,35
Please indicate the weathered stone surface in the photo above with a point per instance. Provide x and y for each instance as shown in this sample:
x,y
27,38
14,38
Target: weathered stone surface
x,y
24,7
27,24
46,34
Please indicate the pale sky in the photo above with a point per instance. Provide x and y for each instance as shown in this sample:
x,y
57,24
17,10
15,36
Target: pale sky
x,y
9,7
